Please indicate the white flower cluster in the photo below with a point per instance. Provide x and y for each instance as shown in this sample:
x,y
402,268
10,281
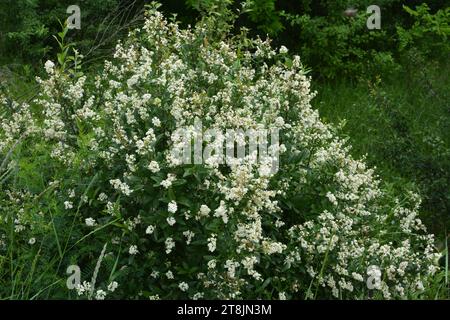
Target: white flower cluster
x,y
312,228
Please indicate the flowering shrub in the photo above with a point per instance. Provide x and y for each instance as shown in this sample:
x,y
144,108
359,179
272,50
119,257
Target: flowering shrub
x,y
88,165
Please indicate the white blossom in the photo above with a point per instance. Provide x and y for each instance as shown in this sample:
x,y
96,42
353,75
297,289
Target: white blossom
x,y
113,286
133,250
150,229
172,207
90,222
183,286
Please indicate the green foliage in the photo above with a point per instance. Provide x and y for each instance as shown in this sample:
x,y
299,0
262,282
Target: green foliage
x,y
342,47
429,33
401,123
338,46
27,26
332,44
329,42
264,15
68,58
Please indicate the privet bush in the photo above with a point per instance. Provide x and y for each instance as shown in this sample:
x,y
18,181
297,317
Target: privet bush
x,y
88,163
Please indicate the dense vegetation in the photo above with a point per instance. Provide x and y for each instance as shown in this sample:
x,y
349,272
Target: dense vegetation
x,y
85,178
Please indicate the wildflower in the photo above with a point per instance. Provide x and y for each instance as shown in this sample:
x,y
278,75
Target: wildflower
x,y
153,166
357,276
198,295
100,295
156,122
102,197
332,198
171,221
212,264
49,65
204,210
113,286
270,247
132,81
279,121
133,250
283,50
122,186
83,288
19,228
68,205
168,182
172,207
221,212
279,223
212,243
189,235
420,286
183,286
32,241
170,244
90,222
150,230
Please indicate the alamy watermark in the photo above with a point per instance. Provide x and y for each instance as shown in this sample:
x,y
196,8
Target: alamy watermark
x,y
215,146
373,21
74,278
374,278
74,20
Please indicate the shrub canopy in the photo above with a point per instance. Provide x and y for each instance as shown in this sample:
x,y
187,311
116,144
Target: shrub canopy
x,y
90,158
